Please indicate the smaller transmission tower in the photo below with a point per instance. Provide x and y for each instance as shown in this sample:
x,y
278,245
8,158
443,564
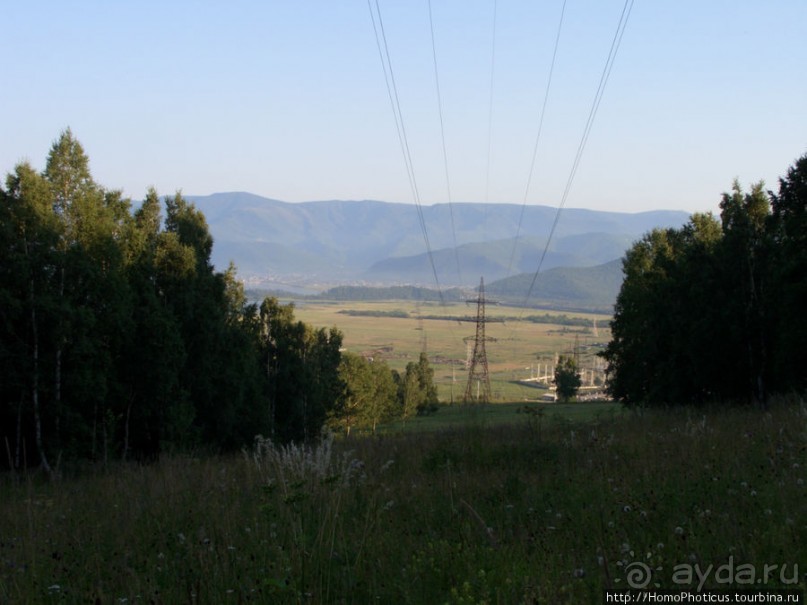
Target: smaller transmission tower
x,y
478,387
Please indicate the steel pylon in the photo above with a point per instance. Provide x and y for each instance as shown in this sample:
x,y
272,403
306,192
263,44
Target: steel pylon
x,y
478,388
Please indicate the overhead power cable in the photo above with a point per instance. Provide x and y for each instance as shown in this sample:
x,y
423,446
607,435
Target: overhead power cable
x,y
490,100
392,92
443,140
606,72
537,139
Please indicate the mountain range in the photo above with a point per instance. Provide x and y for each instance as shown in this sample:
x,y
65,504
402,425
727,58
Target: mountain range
x,y
325,243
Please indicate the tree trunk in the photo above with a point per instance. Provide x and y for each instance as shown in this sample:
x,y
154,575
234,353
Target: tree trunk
x,y
57,378
35,387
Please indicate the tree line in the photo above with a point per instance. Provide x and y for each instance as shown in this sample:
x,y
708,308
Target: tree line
x,y
119,339
716,310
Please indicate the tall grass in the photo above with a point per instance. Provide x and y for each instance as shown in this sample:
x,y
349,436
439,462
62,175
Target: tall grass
x,y
501,514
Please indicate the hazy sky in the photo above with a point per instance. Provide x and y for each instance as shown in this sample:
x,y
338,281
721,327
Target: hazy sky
x,y
286,98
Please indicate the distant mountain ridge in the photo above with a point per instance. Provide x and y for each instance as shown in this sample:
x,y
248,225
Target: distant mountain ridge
x,y
335,242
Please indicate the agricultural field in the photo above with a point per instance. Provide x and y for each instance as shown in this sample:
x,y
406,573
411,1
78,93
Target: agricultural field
x,y
522,348
546,509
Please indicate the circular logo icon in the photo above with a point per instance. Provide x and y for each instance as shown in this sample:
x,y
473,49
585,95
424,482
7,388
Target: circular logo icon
x,y
638,575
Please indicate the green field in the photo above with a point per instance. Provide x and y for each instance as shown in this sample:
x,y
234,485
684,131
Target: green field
x,y
547,510
521,348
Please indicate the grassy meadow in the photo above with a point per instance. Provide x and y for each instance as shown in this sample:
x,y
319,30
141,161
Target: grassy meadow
x,y
545,509
519,348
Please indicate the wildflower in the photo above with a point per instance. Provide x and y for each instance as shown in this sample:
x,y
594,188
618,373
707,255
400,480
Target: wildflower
x,y
626,508
679,531
579,573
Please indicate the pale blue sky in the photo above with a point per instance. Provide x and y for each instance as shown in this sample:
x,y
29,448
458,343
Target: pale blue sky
x,y
286,99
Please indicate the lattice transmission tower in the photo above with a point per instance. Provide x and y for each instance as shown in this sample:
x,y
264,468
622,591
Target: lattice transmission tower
x,y
478,388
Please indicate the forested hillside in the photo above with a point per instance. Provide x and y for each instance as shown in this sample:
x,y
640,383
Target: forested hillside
x,y
591,288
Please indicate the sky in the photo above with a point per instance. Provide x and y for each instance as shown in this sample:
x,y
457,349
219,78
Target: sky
x,y
287,99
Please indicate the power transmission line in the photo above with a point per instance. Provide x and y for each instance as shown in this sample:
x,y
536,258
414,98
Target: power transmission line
x,y
490,101
609,63
392,92
443,140
537,139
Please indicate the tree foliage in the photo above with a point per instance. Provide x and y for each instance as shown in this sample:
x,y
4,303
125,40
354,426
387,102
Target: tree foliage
x,y
567,378
119,339
373,393
369,395
715,310
419,392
